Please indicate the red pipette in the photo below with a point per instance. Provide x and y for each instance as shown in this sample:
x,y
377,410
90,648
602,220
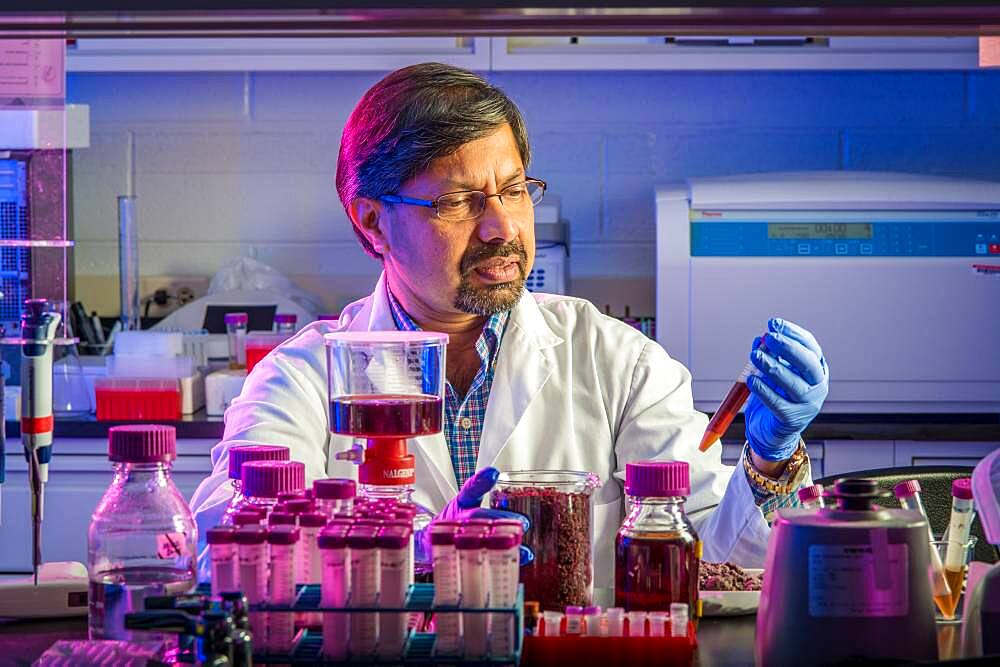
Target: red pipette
x,y
731,405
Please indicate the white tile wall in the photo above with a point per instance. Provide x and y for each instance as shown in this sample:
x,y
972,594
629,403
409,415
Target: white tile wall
x,y
244,163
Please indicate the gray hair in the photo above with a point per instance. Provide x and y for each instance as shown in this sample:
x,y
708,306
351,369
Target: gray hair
x,y
412,117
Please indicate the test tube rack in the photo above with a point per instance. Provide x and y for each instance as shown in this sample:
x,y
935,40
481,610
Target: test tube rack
x,y
419,648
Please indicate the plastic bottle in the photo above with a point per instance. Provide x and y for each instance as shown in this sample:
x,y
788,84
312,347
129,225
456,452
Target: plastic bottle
x,y
142,538
657,549
335,590
281,587
264,480
334,496
239,455
285,322
236,330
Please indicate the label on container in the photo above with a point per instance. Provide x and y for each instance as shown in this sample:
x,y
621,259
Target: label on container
x,y
859,580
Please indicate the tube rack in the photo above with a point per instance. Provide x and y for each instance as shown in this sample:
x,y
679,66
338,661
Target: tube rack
x,y
307,648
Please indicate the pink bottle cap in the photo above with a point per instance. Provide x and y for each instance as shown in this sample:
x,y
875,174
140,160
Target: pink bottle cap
x,y
362,537
574,610
394,537
500,541
906,489
266,479
282,535
280,519
657,479
312,520
247,519
285,318
241,454
251,535
142,443
328,316
235,318
333,537
443,533
300,506
285,496
962,488
334,489
813,492
220,535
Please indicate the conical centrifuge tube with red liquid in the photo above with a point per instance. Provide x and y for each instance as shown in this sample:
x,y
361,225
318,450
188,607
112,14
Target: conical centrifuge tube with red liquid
x,y
730,407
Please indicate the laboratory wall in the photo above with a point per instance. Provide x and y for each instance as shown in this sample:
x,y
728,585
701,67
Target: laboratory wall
x,y
243,164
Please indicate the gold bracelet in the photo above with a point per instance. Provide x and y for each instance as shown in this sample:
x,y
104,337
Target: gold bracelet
x,y
772,486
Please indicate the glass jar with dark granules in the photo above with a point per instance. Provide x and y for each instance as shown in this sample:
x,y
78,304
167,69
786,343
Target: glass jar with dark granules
x,y
558,503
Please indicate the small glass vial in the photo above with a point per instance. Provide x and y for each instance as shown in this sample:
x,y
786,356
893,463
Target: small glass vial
x,y
222,550
238,455
472,563
502,564
142,537
251,545
811,497
395,577
236,330
264,480
447,585
280,624
591,621
636,623
616,622
334,590
334,496
552,623
657,550
285,322
658,623
364,589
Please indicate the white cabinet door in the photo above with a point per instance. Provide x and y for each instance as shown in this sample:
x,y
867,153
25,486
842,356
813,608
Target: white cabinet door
x,y
78,476
734,53
922,453
247,54
845,456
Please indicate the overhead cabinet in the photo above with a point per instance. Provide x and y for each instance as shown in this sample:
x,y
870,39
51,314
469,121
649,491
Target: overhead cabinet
x,y
262,54
734,53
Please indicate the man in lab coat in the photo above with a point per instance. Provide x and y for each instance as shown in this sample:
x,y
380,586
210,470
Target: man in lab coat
x,y
433,175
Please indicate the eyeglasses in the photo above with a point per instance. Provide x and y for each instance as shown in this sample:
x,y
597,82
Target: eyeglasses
x,y
468,205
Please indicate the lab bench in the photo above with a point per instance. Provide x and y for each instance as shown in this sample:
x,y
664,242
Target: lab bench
x,y
722,642
80,471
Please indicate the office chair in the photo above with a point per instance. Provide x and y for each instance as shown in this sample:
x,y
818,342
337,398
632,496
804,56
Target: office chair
x,y
935,483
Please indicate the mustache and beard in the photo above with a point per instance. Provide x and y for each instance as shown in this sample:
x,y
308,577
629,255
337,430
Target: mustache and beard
x,y
490,299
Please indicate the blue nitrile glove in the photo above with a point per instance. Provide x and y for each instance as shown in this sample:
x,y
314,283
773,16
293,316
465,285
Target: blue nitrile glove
x,y
789,392
467,503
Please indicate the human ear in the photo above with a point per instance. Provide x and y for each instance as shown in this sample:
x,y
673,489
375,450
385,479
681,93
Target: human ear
x,y
366,216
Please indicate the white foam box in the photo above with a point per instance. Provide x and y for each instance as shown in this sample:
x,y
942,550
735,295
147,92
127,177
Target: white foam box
x,y
221,387
192,393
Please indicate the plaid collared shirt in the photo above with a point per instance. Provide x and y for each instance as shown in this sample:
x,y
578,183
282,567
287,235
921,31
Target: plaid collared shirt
x,y
464,416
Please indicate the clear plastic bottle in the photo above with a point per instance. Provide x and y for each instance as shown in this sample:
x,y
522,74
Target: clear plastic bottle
x,y
239,455
285,322
142,539
236,330
657,549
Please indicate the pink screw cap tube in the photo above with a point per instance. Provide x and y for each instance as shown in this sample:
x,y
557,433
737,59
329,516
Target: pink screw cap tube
x,y
334,590
280,625
908,494
222,550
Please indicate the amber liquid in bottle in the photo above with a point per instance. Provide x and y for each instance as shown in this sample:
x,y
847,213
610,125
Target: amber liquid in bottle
x,y
654,569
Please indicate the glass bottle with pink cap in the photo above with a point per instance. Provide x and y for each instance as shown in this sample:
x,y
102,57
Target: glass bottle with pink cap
x,y
142,537
657,549
264,480
238,455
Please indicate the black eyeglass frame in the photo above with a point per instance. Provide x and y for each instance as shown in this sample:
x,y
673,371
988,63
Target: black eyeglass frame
x,y
433,203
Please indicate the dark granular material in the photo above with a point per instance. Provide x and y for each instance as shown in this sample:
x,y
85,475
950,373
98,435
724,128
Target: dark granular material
x,y
562,573
727,577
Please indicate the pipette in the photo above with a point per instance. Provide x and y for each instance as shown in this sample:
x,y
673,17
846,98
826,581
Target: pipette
x,y
730,406
38,330
908,494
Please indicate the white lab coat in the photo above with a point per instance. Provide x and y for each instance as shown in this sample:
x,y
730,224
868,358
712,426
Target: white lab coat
x,y
573,390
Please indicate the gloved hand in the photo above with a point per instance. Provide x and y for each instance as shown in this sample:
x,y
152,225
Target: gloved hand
x,y
788,393
467,503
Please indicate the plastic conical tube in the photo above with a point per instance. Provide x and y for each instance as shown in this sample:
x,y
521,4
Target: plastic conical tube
x,y
908,493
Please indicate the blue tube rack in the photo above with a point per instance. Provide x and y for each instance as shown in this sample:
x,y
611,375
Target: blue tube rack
x,y
419,646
